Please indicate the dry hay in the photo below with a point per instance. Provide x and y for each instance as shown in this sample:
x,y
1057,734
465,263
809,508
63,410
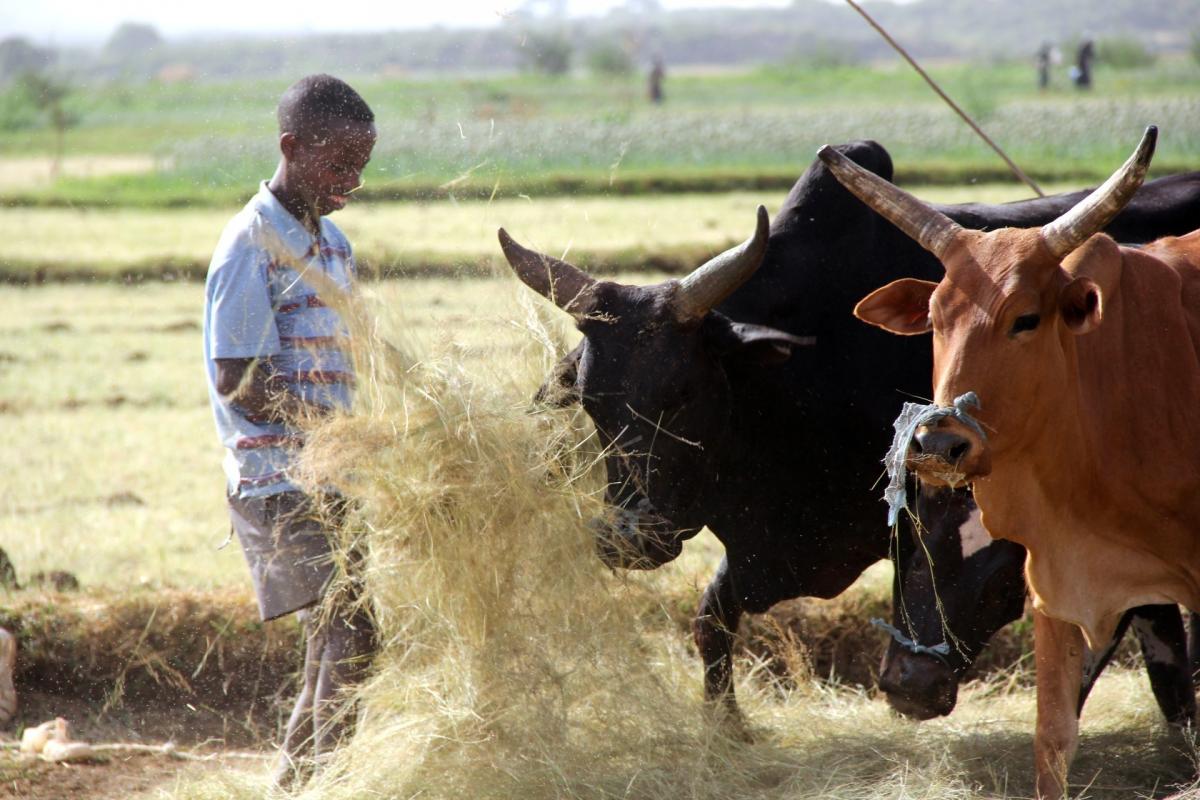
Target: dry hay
x,y
149,648
515,666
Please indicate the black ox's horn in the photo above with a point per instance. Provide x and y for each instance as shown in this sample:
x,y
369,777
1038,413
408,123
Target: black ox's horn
x,y
1098,209
567,286
711,282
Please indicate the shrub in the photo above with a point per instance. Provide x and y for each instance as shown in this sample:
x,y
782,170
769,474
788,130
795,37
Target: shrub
x,y
546,52
1124,53
609,58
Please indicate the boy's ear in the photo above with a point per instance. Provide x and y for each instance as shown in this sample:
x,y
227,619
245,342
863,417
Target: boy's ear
x,y
287,144
900,307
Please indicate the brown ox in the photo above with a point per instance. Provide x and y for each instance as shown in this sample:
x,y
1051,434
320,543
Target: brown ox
x,y
1085,357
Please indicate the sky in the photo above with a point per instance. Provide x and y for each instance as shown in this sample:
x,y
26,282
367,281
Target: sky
x,y
64,22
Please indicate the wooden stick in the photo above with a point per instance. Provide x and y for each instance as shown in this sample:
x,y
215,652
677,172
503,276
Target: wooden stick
x,y
933,84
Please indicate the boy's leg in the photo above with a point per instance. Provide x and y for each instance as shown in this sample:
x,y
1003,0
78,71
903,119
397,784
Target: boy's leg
x,y
348,645
294,764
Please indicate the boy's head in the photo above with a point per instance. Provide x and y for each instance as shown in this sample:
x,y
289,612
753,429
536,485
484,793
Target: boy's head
x,y
326,134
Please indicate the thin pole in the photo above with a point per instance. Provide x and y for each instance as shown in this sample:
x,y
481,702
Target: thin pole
x,y
933,84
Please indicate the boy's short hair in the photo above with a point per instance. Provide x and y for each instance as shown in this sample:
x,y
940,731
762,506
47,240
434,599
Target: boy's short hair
x,y
316,100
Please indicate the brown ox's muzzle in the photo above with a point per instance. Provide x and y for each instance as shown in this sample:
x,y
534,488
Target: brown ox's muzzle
x,y
948,453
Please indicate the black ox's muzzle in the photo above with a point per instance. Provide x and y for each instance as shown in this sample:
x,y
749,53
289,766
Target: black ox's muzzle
x,y
638,537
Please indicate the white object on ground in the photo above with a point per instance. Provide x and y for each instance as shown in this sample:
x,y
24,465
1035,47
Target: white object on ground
x,y
34,739
60,748
52,741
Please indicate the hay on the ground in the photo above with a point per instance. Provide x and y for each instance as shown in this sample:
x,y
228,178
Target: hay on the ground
x,y
515,666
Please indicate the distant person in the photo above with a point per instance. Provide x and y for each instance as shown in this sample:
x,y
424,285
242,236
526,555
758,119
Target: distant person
x,y
1044,58
274,356
655,84
1081,73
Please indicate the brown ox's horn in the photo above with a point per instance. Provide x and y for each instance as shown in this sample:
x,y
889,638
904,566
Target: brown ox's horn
x,y
567,286
929,227
1098,209
711,282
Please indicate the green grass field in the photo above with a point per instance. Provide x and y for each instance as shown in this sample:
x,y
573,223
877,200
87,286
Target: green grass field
x,y
524,134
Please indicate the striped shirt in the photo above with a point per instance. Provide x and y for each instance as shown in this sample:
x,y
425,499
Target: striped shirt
x,y
257,305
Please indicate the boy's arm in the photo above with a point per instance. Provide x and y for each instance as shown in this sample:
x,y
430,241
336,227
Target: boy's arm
x,y
253,384
244,338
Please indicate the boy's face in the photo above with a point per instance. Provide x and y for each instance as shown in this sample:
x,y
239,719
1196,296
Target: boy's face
x,y
325,166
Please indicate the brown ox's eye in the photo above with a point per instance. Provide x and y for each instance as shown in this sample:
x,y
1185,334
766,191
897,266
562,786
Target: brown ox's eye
x,y
1025,322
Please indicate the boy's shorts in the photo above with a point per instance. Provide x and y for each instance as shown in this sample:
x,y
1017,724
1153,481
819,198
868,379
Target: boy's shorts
x,y
287,549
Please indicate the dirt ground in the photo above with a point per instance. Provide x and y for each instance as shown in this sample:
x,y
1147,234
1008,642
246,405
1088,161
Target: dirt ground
x,y
209,740
113,778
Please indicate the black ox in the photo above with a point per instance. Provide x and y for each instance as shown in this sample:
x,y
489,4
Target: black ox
x,y
747,398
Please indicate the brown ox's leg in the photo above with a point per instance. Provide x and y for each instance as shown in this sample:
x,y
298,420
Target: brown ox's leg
x,y
1058,654
713,629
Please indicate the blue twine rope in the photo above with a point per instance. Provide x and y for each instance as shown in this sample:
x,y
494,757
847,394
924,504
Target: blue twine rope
x,y
938,650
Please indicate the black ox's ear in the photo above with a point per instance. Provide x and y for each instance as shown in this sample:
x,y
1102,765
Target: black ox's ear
x,y
560,390
757,344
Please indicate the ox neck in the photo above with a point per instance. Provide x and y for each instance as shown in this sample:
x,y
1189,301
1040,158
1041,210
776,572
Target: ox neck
x,y
1108,492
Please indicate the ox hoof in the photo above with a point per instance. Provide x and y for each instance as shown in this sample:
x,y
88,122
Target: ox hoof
x,y
8,662
728,720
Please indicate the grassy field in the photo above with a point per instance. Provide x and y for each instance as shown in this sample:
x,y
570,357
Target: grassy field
x,y
101,386
203,142
674,232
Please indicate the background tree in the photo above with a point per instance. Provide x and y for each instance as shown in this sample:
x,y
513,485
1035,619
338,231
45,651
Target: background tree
x,y
132,38
547,52
18,56
134,50
608,57
48,95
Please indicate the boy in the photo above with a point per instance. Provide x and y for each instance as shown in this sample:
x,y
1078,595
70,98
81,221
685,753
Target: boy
x,y
275,355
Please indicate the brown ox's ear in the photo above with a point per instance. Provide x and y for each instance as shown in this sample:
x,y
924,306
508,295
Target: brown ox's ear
x,y
900,307
1081,306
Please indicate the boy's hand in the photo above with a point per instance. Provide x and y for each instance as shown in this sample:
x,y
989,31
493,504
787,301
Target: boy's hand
x,y
262,393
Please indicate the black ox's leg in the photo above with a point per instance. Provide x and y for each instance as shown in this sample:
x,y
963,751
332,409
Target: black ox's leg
x,y
1164,642
714,628
1193,643
1094,662
1160,632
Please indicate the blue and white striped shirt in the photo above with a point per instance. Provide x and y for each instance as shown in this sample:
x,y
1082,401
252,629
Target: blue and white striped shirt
x,y
257,305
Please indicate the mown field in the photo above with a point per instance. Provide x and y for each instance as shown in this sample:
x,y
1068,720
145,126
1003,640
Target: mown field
x,y
672,232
